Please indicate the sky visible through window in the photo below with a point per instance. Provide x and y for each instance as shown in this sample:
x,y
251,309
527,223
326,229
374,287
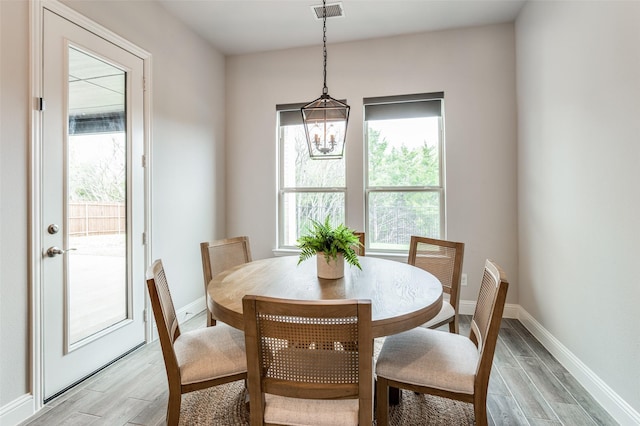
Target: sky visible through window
x,y
410,132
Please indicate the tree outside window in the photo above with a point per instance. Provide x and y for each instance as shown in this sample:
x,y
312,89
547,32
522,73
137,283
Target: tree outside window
x,y
404,191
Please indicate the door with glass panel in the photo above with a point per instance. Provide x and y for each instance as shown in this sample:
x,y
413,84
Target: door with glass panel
x,y
92,203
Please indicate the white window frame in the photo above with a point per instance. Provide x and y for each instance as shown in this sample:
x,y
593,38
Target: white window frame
x,y
388,106
291,115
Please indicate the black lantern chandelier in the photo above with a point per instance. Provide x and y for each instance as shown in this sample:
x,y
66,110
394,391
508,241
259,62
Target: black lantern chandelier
x,y
325,119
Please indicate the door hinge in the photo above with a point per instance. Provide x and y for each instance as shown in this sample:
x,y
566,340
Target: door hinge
x,y
144,161
144,238
41,105
144,315
144,84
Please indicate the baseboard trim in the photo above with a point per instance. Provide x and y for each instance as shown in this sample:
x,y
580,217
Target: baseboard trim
x,y
17,410
619,409
193,308
183,314
468,307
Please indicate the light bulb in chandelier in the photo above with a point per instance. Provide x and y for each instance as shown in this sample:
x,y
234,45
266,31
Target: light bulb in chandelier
x,y
324,139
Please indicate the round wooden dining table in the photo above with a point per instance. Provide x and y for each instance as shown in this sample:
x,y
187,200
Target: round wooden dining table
x,y
402,296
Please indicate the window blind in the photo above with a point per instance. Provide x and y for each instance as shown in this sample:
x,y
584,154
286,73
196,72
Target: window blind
x,y
403,106
290,114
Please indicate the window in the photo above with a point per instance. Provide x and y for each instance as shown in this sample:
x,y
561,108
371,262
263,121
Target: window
x,y
404,192
307,189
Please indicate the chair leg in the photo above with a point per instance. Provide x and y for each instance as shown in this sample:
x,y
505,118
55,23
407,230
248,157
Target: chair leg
x,y
173,408
453,325
480,409
394,396
210,320
382,401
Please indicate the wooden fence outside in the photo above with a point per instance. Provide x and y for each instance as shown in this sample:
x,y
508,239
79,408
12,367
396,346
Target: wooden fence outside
x,y
97,218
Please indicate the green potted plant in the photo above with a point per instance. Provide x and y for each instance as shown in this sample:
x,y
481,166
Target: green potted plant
x,y
330,246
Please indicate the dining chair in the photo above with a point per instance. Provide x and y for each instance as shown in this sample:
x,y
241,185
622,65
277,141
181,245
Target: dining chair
x,y
309,362
360,248
444,260
196,359
446,364
221,255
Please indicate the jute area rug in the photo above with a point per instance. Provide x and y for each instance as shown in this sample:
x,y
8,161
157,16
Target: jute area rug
x,y
224,406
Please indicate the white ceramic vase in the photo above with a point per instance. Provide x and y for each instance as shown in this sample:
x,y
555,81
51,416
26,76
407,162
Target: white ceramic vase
x,y
332,270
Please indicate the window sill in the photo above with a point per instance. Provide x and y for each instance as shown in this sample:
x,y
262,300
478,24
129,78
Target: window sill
x,y
399,257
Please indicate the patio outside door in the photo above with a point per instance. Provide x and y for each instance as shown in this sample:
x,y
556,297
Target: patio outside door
x,y
92,203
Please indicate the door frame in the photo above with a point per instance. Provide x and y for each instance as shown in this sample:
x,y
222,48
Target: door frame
x,y
36,249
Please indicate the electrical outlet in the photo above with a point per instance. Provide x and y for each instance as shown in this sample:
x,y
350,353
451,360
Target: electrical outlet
x,y
463,280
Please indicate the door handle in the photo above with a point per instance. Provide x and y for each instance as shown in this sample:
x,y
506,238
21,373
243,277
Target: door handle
x,y
54,251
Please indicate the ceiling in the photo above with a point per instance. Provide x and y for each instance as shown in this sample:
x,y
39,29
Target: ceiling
x,y
248,26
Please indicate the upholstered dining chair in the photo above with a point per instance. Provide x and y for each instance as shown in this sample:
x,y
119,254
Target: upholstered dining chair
x,y
220,255
446,364
196,359
309,362
360,249
444,260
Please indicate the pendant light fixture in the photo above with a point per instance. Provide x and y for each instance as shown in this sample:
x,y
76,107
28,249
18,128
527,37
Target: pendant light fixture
x,y
325,119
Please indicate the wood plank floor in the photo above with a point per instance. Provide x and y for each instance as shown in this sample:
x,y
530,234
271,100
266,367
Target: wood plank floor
x,y
527,387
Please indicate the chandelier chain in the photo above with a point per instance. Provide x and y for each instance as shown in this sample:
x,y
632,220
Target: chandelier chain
x,y
325,119
325,90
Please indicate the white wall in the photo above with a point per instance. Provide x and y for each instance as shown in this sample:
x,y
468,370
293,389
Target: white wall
x,y
188,135
187,160
578,68
475,67
14,274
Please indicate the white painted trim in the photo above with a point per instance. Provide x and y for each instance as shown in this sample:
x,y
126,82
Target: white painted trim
x,y
468,307
619,409
148,188
511,311
94,27
189,311
17,410
398,257
35,214
183,314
